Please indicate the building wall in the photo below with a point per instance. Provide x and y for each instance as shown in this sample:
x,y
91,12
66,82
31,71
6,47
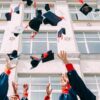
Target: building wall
x,y
85,64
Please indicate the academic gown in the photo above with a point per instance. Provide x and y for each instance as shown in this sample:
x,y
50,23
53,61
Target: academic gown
x,y
78,85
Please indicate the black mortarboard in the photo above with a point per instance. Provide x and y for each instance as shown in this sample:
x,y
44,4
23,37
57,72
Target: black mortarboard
x,y
34,62
61,31
47,7
51,18
24,0
8,16
29,2
16,34
85,9
17,10
38,13
35,23
13,55
48,56
3,86
96,10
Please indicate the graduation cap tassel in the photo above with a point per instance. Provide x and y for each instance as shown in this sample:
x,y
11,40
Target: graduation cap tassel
x,y
81,1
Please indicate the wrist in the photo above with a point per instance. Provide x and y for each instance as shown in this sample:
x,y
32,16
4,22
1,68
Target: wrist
x,y
65,62
7,71
69,67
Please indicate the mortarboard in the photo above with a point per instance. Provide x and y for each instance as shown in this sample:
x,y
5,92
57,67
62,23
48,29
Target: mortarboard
x,y
61,31
96,10
29,2
47,7
13,55
8,16
16,34
16,10
35,23
34,62
85,9
51,18
38,13
48,56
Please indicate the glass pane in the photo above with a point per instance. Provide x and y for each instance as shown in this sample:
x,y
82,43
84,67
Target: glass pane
x,y
79,34
91,34
74,16
27,16
52,34
55,96
26,48
94,47
90,79
80,39
39,47
39,80
93,39
92,86
41,34
52,39
82,47
56,87
40,39
53,47
37,96
39,87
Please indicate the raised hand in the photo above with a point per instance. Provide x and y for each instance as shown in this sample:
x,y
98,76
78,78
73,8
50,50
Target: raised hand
x,y
15,87
48,90
63,56
8,64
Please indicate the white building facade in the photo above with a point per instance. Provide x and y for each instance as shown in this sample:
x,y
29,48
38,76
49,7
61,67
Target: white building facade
x,y
81,42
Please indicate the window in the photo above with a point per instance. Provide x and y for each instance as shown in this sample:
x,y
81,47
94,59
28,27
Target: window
x,y
93,83
88,42
38,83
42,42
77,15
1,37
29,13
4,8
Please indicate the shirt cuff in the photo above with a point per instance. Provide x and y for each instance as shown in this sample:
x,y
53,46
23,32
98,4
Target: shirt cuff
x,y
69,67
25,94
47,98
7,71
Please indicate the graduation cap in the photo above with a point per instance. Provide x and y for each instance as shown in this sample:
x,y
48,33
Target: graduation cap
x,y
13,55
8,16
96,10
48,56
61,31
29,2
47,7
16,10
35,23
38,13
34,62
85,9
16,34
51,18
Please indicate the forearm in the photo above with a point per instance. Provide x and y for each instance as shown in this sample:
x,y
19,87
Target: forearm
x,y
77,83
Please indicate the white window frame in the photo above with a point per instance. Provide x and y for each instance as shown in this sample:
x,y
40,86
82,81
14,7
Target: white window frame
x,y
47,41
